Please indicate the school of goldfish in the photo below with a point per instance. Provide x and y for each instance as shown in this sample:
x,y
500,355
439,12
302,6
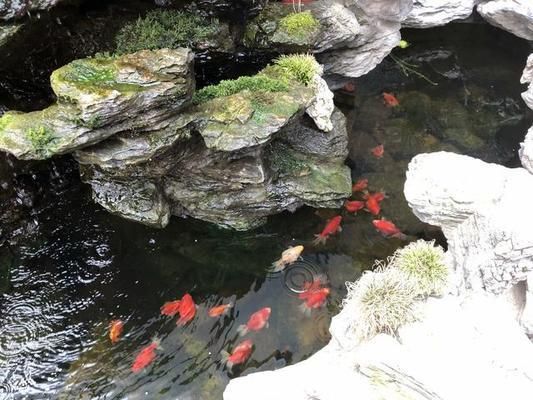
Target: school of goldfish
x,y
313,296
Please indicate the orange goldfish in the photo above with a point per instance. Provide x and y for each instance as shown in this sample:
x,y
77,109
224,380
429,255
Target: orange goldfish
x,y
146,356
372,205
187,309
170,308
333,226
387,228
354,206
288,257
258,320
360,185
219,310
390,100
115,330
378,151
314,299
240,354
378,196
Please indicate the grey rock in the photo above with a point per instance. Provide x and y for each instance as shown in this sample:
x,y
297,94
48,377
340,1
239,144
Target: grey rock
x,y
321,108
7,31
515,16
338,25
429,13
477,205
527,78
10,9
526,151
390,10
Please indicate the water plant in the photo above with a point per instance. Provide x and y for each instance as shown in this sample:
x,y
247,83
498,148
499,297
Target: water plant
x,y
164,29
423,263
300,25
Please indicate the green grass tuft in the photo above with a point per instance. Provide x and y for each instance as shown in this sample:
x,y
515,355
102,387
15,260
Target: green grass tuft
x,y
424,263
256,83
382,300
299,67
164,29
40,138
299,25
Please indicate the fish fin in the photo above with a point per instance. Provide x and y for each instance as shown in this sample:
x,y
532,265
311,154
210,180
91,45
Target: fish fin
x,y
339,229
157,342
400,235
242,330
304,310
319,240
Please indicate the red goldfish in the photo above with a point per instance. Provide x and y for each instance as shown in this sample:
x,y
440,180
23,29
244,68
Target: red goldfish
x,y
390,100
258,320
378,151
219,310
378,196
349,87
240,354
333,226
115,330
387,228
354,206
288,257
314,299
170,308
360,185
310,287
187,309
372,205
146,356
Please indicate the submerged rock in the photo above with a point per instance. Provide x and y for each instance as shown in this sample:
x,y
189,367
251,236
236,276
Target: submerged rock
x,y
429,13
515,16
99,97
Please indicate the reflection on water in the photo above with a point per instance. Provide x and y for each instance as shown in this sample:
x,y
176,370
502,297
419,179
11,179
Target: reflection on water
x,y
80,267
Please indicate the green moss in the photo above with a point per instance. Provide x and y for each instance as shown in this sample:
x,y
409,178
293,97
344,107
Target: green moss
x,y
40,137
164,29
299,25
90,71
285,160
266,107
298,67
92,123
4,121
257,83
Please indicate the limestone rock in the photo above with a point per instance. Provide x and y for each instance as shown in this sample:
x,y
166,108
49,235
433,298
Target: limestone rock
x,y
99,97
429,13
527,78
526,151
395,10
476,205
322,106
420,365
515,16
10,9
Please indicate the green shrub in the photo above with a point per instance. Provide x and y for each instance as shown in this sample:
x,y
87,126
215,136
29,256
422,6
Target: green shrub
x,y
256,83
300,25
299,67
382,300
40,137
424,263
164,29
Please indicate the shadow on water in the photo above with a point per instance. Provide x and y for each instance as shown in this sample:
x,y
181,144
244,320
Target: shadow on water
x,y
79,267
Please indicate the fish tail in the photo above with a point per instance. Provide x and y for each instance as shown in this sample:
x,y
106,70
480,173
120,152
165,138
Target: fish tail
x,y
278,265
319,240
304,309
230,305
157,341
242,330
225,359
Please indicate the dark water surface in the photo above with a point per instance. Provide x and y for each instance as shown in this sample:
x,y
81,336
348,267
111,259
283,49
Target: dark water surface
x,y
79,267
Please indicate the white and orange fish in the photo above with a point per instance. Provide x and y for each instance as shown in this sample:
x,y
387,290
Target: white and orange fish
x,y
288,257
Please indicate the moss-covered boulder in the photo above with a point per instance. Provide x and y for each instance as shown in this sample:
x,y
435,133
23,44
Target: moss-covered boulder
x,y
100,97
322,25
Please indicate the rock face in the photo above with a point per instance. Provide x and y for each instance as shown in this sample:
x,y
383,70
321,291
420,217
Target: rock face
x,y
419,365
149,153
476,206
429,13
515,16
10,9
526,148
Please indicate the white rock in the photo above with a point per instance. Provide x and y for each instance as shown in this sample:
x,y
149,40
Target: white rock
x,y
482,210
463,348
527,313
515,16
322,107
428,13
527,78
526,151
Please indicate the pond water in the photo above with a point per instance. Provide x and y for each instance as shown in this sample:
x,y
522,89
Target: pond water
x,y
79,267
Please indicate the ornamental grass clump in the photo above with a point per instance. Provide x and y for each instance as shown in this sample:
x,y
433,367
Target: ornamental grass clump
x,y
300,25
423,263
299,67
382,300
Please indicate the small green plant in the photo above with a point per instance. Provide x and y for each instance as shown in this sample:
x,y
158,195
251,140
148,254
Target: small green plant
x,y
256,83
164,29
423,262
40,137
300,25
299,67
383,300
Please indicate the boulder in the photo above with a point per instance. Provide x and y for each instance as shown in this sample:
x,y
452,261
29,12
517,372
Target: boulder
x,y
481,209
7,31
100,97
10,9
429,13
515,16
527,78
419,364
